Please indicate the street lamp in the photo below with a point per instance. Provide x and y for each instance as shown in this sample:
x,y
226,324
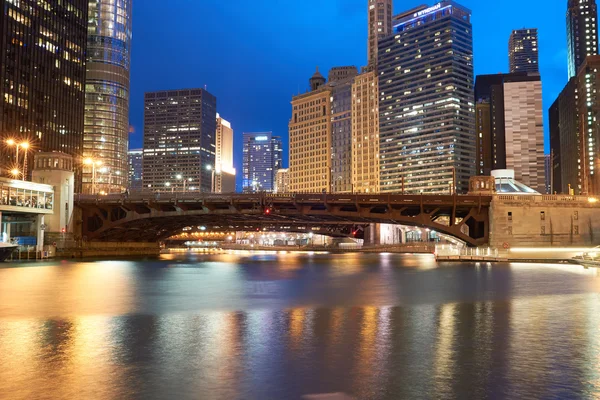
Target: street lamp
x,y
15,172
185,181
25,146
168,185
93,163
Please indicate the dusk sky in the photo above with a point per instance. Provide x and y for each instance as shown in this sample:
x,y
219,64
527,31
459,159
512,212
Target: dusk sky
x,y
254,55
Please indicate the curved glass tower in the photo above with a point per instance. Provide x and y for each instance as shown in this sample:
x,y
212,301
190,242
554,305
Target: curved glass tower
x,y
105,143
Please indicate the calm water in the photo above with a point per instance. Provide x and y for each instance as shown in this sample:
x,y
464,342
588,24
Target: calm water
x,y
282,326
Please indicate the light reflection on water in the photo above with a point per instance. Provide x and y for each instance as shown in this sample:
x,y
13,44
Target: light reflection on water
x,y
280,326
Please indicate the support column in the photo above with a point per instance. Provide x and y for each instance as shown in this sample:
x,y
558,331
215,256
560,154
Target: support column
x,y
39,221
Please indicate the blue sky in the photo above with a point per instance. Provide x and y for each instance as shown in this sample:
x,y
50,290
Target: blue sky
x,y
254,55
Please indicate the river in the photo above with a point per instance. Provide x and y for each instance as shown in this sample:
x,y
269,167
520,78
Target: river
x,y
280,326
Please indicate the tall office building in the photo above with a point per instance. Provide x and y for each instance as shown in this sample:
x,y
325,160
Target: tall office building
x,y
426,110
365,133
310,139
42,70
107,95
582,32
341,135
380,25
565,143
135,169
509,123
588,111
574,133
262,159
523,51
179,140
225,172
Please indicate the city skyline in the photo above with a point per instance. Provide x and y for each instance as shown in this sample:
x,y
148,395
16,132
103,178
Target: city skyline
x,y
290,71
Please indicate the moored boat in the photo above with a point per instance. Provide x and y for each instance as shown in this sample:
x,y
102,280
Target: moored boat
x,y
6,249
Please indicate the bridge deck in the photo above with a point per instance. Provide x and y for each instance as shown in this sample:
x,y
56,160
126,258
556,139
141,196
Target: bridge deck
x,y
151,217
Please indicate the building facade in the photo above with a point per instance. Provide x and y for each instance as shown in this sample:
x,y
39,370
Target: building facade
x,y
341,135
380,25
282,181
42,70
179,140
310,139
582,32
106,139
426,109
523,51
509,122
365,133
574,133
342,73
588,112
135,169
225,172
262,159
565,143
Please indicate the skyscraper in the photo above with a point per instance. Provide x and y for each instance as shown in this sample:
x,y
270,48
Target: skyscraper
x,y
523,51
179,140
582,32
426,110
574,133
509,122
107,94
42,70
365,133
310,139
225,173
588,112
341,135
135,168
380,25
565,143
262,159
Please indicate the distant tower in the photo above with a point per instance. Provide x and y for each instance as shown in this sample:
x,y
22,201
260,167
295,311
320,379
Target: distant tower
x,y
380,25
316,81
523,51
582,32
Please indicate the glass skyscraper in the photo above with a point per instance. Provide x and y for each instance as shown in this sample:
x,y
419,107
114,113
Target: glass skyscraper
x,y
105,141
262,159
582,32
426,110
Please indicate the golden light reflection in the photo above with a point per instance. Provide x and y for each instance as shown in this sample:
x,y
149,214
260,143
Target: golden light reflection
x,y
444,352
367,350
297,321
18,357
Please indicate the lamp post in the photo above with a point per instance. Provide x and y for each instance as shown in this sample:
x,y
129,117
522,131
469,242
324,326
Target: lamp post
x,y
212,177
185,181
25,147
93,163
168,185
